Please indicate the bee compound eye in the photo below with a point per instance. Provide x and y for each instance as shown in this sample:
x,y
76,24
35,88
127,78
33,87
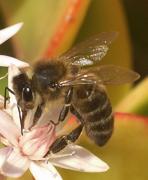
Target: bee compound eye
x,y
27,94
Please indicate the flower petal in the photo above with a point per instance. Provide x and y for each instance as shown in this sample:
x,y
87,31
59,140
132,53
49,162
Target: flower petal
x,y
1,102
13,71
5,61
4,152
8,129
15,165
44,171
79,159
36,142
8,32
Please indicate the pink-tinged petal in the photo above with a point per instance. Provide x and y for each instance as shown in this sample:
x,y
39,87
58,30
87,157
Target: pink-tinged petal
x,y
8,32
36,142
38,132
6,61
79,159
44,171
8,129
4,153
42,150
15,165
15,115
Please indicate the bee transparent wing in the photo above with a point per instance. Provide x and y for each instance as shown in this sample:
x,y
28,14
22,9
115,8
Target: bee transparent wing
x,y
89,51
107,75
114,75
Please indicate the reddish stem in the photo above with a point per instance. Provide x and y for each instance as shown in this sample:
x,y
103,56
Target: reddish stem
x,y
121,116
129,116
66,22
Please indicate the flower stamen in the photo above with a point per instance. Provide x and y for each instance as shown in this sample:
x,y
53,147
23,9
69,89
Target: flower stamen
x,y
3,77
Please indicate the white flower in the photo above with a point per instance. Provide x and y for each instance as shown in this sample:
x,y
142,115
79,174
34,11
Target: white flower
x,y
5,34
8,32
28,151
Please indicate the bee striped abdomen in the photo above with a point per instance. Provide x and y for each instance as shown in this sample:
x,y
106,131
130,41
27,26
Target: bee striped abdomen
x,y
96,111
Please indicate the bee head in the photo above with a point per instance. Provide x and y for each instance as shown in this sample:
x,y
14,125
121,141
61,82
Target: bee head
x,y
24,91
46,78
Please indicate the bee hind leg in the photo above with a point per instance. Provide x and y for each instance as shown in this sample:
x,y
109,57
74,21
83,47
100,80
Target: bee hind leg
x,y
61,142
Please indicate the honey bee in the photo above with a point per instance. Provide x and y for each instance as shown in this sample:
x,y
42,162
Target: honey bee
x,y
75,81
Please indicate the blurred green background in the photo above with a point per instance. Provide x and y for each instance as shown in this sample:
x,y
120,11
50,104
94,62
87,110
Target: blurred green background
x,y
51,27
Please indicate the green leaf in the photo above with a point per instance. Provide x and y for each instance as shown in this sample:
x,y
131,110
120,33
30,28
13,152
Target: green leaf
x,y
3,82
41,20
136,101
26,176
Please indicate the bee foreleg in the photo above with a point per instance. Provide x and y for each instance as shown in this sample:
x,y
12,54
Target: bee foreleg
x,y
66,106
63,113
61,142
